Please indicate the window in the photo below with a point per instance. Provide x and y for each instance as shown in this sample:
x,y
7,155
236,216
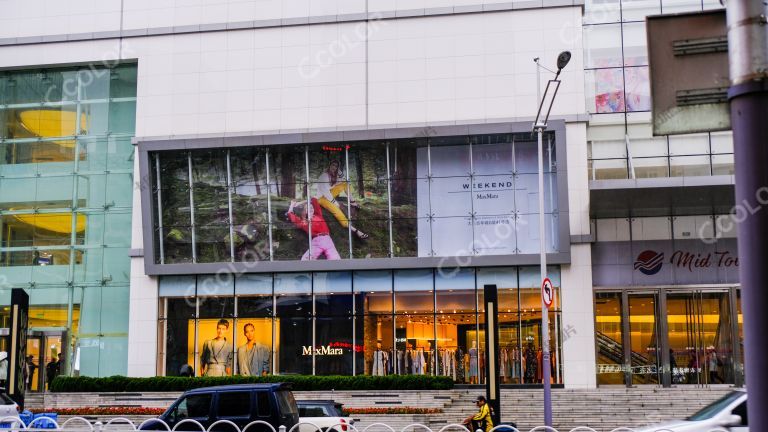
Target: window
x,y
618,94
193,406
312,411
263,407
287,402
235,404
398,196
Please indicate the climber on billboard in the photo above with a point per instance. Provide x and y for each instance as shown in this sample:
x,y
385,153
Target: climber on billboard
x,y
312,222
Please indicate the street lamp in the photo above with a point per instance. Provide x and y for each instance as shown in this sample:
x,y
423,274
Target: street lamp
x,y
539,125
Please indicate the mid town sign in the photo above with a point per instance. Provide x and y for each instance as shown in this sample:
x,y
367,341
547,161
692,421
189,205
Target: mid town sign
x,y
691,260
654,262
649,262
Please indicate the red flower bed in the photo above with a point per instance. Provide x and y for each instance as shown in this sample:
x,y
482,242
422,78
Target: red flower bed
x,y
112,411
393,410
134,410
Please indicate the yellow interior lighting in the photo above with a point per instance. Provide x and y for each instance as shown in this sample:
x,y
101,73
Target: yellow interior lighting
x,y
47,123
55,222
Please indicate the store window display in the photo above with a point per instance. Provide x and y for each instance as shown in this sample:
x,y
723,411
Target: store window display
x,y
373,317
294,311
455,301
403,322
216,357
253,357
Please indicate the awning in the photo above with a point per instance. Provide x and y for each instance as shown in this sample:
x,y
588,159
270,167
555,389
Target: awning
x,y
669,196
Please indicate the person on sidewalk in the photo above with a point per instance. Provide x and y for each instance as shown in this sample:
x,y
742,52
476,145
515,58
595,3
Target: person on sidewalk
x,y
482,420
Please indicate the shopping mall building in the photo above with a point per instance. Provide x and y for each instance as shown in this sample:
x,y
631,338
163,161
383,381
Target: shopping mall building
x,y
336,182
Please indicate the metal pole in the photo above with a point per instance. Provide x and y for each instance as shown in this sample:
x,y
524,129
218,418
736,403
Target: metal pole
x,y
748,57
231,219
545,362
547,372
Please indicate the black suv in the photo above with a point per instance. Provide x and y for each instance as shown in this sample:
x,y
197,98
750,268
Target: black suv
x,y
241,404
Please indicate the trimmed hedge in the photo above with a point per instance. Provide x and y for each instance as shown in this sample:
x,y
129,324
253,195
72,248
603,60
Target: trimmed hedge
x,y
300,383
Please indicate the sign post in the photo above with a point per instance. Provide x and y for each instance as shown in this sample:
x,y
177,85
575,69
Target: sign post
x,y
492,393
748,95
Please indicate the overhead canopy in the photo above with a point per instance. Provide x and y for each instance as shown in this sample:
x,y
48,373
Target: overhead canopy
x,y
675,196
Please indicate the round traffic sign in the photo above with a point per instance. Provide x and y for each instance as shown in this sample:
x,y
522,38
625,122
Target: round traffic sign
x,y
547,293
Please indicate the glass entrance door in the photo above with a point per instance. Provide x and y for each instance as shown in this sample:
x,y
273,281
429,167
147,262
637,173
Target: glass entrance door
x,y
609,338
33,362
52,358
42,364
645,353
699,337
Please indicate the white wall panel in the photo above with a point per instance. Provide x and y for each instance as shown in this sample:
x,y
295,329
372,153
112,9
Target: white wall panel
x,y
484,63
66,53
578,328
23,18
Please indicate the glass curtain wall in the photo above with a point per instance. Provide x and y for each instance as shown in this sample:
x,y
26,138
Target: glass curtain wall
x,y
401,322
619,99
691,341
371,199
66,181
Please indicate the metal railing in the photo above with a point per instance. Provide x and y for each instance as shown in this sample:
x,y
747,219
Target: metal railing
x,y
122,424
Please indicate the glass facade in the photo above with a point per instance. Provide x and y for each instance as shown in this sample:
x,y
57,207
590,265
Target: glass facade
x,y
66,185
692,341
405,322
620,140
371,199
667,301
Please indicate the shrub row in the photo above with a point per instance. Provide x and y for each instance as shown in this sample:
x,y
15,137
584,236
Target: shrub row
x,y
299,382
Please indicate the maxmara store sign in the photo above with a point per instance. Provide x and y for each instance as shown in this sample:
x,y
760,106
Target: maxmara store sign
x,y
664,262
322,351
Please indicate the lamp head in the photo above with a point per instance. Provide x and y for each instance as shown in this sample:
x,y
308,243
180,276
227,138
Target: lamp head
x,y
562,60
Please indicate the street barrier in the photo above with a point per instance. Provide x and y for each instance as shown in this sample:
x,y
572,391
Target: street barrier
x,y
122,424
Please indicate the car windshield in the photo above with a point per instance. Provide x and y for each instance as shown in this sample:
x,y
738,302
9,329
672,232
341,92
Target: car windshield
x,y
286,402
715,407
312,411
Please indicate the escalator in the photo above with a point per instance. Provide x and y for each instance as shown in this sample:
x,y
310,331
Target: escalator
x,y
614,351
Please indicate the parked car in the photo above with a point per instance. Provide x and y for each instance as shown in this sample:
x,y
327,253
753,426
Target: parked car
x,y
241,404
8,408
729,413
325,414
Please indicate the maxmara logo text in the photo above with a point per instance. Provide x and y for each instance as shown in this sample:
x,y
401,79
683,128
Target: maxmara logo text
x,y
650,262
485,190
322,351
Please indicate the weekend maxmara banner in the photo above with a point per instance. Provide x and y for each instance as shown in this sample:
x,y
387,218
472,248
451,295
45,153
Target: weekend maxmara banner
x,y
664,262
483,202
456,196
